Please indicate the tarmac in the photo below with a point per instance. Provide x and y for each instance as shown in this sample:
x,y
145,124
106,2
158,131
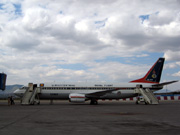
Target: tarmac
x,y
106,118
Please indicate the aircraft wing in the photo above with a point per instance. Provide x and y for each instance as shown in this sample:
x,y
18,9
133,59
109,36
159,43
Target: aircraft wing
x,y
99,93
165,83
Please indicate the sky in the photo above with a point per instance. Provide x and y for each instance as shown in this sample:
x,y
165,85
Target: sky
x,y
88,40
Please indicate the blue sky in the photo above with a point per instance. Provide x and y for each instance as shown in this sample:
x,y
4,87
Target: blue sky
x,y
104,41
18,10
146,17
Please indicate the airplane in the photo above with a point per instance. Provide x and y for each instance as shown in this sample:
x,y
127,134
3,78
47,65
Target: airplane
x,y
80,92
3,77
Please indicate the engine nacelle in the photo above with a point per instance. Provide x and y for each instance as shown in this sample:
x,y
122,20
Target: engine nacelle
x,y
77,98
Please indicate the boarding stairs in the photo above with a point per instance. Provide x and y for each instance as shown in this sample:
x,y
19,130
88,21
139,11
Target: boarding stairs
x,y
148,95
30,96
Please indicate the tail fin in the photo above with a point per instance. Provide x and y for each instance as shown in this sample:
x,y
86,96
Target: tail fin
x,y
154,74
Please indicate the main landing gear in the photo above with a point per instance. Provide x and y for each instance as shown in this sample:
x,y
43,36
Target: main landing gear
x,y
93,102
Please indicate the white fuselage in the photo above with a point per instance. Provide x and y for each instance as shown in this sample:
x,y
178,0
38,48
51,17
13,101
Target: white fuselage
x,y
63,90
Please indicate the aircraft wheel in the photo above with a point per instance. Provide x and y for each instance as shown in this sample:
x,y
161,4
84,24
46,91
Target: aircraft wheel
x,y
93,102
137,102
38,103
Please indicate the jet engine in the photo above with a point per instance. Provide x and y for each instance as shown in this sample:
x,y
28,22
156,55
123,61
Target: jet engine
x,y
77,98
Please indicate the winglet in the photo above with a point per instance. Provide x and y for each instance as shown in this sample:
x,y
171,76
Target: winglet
x,y
154,74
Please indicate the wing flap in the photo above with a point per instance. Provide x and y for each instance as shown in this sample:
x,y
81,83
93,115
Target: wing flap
x,y
100,93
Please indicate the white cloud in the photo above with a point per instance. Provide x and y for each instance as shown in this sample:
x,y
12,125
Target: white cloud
x,y
69,32
118,71
170,66
172,55
177,74
82,26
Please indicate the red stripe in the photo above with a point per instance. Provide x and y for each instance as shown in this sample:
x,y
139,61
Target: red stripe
x,y
159,98
131,98
172,97
76,97
165,97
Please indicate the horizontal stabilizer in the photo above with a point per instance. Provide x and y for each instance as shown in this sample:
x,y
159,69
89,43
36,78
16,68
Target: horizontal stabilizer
x,y
165,83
